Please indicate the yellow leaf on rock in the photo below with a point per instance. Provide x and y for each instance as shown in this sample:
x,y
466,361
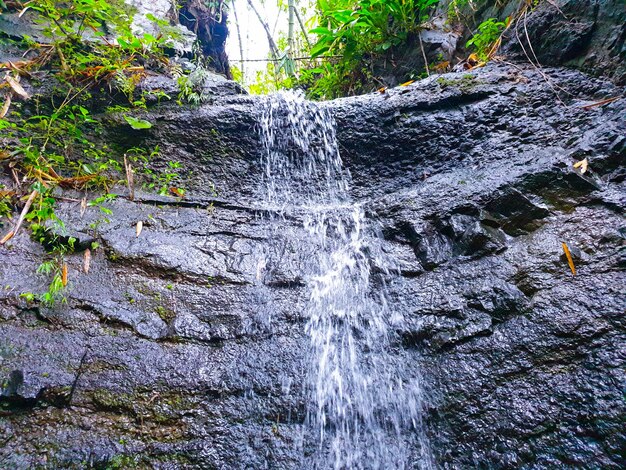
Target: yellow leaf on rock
x,y
407,83
583,165
570,261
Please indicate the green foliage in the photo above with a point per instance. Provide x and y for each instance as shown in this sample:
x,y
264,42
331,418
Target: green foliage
x,y
191,87
6,206
352,28
138,124
57,246
358,33
484,41
100,202
91,45
167,181
122,462
271,79
455,9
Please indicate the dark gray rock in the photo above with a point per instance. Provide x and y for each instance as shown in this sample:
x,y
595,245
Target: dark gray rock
x,y
589,35
170,353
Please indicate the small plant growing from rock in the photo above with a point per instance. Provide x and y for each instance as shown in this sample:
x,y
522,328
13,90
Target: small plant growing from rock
x,y
487,39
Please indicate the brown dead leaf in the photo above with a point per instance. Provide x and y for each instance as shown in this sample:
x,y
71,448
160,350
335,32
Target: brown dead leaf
x,y
570,260
441,66
129,179
87,261
583,165
64,275
178,192
6,105
25,210
382,90
7,237
83,206
15,85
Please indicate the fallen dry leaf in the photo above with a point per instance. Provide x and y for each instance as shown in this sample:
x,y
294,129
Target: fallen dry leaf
x,y
17,88
5,106
83,206
178,192
407,83
570,261
139,227
7,237
87,261
64,275
129,179
441,66
583,164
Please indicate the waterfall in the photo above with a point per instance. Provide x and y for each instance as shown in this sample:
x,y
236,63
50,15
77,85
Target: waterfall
x,y
364,403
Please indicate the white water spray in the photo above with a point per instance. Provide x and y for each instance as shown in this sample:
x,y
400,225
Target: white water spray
x,y
364,407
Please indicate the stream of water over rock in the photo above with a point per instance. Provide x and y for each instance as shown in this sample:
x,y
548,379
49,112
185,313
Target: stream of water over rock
x,y
364,408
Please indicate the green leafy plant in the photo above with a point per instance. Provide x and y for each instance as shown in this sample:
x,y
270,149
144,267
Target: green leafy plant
x,y
487,39
57,247
456,7
191,86
167,181
136,123
100,202
6,205
358,33
91,45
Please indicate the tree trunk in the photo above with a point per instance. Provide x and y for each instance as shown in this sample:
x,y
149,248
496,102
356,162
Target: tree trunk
x,y
304,32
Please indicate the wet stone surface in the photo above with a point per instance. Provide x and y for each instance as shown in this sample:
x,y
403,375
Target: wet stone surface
x,y
171,354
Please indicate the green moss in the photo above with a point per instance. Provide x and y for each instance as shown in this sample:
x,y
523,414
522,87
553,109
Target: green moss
x,y
124,461
466,83
165,314
146,406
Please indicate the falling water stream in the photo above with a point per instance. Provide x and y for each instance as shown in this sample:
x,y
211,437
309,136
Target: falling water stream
x,y
364,403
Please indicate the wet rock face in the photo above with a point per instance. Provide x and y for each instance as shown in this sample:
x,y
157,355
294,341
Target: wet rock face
x,y
170,354
475,191
582,34
589,35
